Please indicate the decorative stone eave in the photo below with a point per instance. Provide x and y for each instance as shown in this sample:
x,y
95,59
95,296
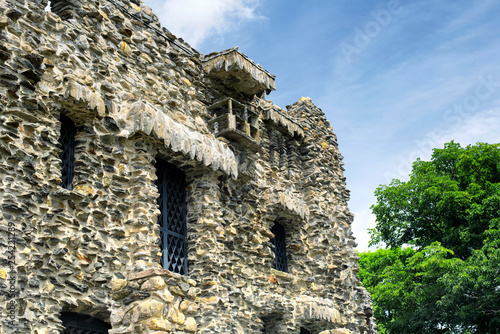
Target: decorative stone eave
x,y
279,117
288,199
141,116
239,71
315,308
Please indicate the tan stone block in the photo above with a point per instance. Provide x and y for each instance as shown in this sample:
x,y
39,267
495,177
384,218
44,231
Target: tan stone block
x,y
175,316
200,252
25,251
211,300
192,292
125,48
158,324
188,307
209,283
4,21
117,284
190,325
256,239
48,287
85,190
149,309
116,316
176,291
154,283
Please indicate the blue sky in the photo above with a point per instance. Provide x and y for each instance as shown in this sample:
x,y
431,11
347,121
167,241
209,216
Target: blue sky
x,y
395,78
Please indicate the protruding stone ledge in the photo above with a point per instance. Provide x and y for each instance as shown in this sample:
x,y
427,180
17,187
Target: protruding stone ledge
x,y
149,273
279,117
290,200
239,71
337,331
308,307
143,116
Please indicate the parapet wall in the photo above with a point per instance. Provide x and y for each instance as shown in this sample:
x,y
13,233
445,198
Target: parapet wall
x,y
137,94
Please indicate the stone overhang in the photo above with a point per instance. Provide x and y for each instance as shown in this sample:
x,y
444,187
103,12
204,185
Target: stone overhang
x,y
239,72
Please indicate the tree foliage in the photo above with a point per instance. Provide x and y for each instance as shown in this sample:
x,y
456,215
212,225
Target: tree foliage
x,y
453,199
448,212
405,287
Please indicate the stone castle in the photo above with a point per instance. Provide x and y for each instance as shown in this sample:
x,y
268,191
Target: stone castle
x,y
147,188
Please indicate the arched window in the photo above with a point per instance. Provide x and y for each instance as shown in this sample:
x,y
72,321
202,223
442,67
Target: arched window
x,y
75,323
67,141
279,247
171,185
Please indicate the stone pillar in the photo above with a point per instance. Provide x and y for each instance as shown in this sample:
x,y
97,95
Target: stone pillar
x,y
206,243
154,300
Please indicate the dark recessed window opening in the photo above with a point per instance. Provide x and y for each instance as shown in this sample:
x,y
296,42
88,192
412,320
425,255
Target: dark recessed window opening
x,y
67,141
279,247
273,323
76,323
171,185
63,8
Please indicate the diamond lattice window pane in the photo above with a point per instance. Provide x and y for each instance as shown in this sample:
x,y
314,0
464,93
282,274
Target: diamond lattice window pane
x,y
279,247
172,220
67,141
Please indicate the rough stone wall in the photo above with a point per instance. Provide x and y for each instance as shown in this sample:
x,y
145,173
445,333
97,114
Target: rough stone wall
x,y
136,93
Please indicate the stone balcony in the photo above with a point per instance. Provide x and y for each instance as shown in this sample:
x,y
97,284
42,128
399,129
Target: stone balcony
x,y
239,72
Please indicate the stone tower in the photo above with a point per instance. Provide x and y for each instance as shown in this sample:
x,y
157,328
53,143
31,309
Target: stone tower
x,y
146,188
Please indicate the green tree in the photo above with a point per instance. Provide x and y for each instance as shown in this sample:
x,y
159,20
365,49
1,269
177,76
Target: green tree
x,y
406,287
452,198
472,296
448,212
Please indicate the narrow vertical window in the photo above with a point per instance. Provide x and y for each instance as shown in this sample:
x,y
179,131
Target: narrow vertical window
x,y
76,323
67,141
171,185
279,247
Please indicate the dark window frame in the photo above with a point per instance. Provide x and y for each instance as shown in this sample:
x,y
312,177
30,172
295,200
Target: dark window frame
x,y
67,156
171,184
279,243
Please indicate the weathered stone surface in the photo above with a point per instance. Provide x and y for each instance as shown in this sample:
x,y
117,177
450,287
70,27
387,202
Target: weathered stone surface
x,y
137,94
190,325
242,73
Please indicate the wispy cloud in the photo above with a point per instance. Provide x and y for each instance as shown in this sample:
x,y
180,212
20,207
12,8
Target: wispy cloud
x,y
481,127
199,20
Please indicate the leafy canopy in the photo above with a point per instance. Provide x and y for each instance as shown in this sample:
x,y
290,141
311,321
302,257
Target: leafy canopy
x,y
448,212
405,287
454,198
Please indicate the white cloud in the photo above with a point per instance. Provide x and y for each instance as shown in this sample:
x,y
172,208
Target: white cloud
x,y
195,21
363,220
483,126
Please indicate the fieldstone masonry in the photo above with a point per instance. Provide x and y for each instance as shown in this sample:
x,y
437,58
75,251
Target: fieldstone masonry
x,y
136,93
